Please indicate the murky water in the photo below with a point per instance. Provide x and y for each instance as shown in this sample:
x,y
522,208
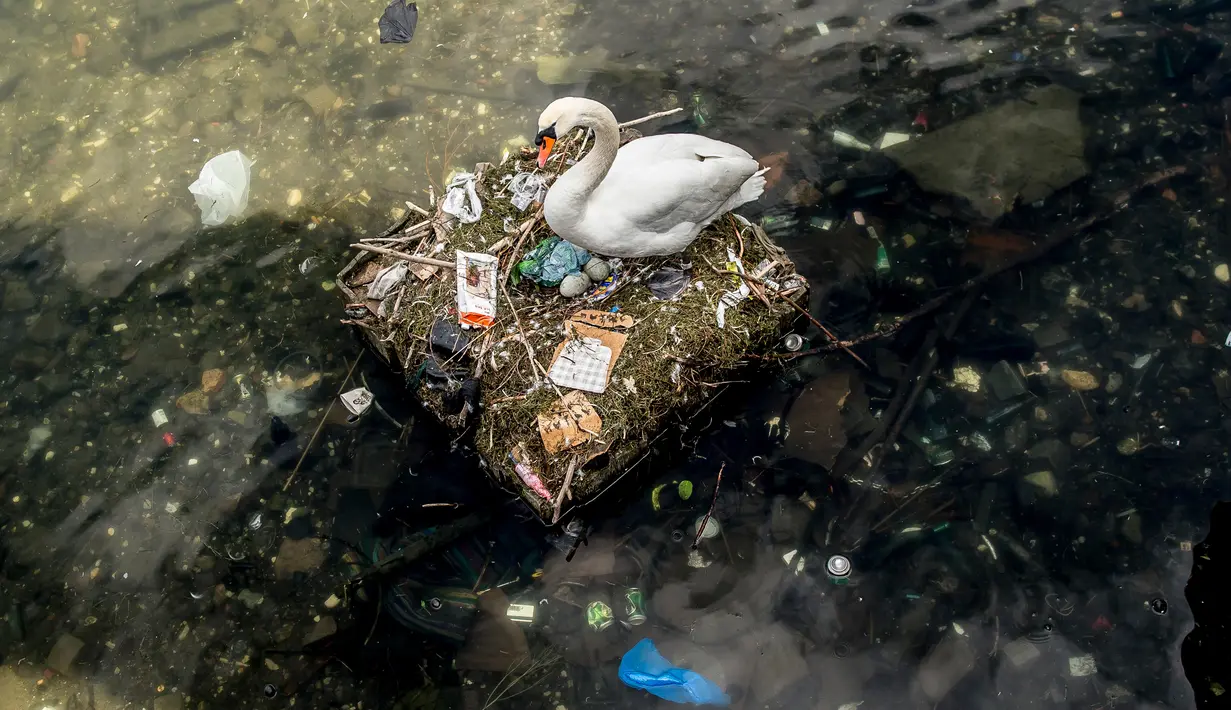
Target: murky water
x,y
183,509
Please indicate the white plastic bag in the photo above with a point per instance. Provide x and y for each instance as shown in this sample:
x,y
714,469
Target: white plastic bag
x,y
462,201
222,189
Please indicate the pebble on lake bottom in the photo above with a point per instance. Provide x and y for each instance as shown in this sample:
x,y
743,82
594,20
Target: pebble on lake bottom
x,y
1080,380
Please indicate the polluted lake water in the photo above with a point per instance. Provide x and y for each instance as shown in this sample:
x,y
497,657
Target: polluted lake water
x,y
977,465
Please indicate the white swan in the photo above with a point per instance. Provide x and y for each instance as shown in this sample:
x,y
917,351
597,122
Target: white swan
x,y
651,197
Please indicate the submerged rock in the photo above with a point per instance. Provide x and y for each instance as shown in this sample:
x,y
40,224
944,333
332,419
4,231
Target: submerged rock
x,y
1021,150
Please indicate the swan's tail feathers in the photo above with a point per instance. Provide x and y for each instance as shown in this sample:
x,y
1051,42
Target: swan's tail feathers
x,y
752,188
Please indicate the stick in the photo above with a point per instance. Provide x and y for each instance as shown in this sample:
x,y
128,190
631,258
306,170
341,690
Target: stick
x,y
406,257
524,231
380,602
568,479
651,117
833,339
534,363
417,208
397,226
706,520
1041,249
306,449
834,343
420,544
407,235
891,426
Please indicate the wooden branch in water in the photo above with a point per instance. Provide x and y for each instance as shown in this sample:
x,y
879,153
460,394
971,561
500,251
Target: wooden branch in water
x,y
568,480
713,502
406,257
651,117
417,208
420,544
834,344
1040,250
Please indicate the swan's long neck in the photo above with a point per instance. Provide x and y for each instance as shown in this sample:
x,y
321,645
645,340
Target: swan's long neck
x,y
581,179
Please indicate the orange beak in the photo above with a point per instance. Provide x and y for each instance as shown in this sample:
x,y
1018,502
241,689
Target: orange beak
x,y
545,149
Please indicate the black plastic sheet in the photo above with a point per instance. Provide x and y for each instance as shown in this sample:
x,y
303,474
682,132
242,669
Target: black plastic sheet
x,y
397,25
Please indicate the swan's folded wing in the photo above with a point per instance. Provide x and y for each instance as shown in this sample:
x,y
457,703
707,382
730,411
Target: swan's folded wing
x,y
670,180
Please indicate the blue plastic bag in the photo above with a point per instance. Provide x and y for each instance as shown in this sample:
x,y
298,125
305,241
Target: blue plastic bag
x,y
644,667
551,261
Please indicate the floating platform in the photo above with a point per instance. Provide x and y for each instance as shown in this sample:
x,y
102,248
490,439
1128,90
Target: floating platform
x,y
639,366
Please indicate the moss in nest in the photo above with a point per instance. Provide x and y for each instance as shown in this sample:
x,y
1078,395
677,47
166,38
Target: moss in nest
x,y
674,360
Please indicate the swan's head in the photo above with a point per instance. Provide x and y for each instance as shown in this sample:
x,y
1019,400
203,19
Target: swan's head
x,y
562,116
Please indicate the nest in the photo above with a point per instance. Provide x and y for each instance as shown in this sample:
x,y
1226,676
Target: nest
x,y
674,357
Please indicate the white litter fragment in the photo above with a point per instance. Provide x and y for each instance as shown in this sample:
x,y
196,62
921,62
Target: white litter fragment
x,y
476,289
892,138
582,365
221,191
388,277
847,140
357,400
731,299
527,188
1081,666
1020,652
159,417
462,201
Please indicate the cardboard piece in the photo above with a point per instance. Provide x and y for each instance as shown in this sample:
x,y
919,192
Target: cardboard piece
x,y
614,341
603,319
571,421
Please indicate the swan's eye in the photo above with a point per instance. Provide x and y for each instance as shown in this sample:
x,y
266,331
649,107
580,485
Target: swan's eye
x,y
549,132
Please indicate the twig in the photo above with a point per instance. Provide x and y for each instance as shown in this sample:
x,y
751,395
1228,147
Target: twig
x,y
406,234
706,520
651,117
336,202
479,580
392,240
568,480
418,545
406,257
536,367
397,226
380,603
892,422
834,342
832,338
523,231
499,246
333,401
417,208
1039,250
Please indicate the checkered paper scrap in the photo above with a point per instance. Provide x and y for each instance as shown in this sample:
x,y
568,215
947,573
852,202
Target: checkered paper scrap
x,y
582,365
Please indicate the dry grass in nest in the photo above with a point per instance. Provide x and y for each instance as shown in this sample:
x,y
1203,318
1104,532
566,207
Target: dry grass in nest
x,y
675,359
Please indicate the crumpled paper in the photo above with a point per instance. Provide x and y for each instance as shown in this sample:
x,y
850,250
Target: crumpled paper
x,y
462,201
222,189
